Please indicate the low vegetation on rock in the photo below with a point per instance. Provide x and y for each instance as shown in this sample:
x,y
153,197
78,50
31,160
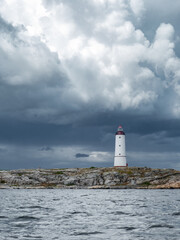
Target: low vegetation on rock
x,y
93,178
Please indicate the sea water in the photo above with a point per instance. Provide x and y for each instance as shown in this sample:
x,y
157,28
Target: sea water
x,y
89,214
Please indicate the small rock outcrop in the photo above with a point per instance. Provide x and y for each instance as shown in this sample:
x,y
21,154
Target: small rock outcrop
x,y
93,178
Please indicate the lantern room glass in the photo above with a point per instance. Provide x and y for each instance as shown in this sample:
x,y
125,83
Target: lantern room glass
x,y
120,129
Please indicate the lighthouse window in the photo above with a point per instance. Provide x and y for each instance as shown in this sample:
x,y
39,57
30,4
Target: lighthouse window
x,y
119,137
119,145
119,154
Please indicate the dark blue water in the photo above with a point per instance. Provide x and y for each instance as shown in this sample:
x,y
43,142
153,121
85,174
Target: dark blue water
x,y
89,214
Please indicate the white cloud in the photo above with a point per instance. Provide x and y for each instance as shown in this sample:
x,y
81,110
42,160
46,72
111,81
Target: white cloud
x,y
137,7
108,61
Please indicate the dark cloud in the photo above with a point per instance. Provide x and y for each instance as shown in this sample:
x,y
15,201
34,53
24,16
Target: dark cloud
x,y
7,27
73,71
81,155
46,148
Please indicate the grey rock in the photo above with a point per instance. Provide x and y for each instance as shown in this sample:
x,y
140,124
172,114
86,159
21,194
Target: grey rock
x,y
91,178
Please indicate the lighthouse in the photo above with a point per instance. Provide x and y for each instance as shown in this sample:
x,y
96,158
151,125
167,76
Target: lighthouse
x,y
120,148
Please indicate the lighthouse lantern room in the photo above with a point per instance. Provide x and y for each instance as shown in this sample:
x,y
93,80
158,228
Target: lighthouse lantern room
x,y
120,148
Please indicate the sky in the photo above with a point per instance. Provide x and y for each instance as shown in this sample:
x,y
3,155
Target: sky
x,y
72,71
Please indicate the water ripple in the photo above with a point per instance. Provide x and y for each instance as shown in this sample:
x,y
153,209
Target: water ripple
x,y
161,226
86,233
88,214
26,217
128,228
176,214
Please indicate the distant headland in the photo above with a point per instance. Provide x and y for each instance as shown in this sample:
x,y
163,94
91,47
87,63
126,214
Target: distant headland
x,y
91,178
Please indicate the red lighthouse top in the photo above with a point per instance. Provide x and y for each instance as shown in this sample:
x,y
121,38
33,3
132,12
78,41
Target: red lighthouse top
x,y
120,131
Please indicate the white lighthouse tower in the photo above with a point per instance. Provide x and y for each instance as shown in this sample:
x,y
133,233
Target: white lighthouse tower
x,y
120,149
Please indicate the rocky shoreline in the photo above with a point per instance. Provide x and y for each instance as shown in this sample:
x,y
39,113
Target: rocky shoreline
x,y
91,178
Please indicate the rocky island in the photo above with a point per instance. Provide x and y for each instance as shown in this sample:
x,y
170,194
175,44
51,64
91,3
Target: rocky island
x,y
91,178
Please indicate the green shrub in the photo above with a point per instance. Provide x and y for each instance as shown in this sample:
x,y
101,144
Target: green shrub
x,y
2,181
129,172
70,184
58,172
146,183
19,174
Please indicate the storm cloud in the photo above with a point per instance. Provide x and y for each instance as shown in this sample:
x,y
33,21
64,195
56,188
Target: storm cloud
x,y
72,71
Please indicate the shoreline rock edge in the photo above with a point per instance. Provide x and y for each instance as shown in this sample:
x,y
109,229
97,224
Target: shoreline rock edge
x,y
91,178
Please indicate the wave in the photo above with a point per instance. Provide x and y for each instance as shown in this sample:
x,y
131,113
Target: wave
x,y
127,228
120,213
176,214
161,226
26,217
86,233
